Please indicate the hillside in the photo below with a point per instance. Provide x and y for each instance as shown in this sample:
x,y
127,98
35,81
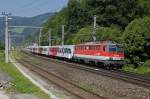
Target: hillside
x,y
24,21
124,21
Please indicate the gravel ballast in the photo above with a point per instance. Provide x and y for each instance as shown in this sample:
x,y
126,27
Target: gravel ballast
x,y
109,88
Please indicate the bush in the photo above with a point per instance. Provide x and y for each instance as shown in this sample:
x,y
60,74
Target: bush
x,y
136,39
146,63
1,46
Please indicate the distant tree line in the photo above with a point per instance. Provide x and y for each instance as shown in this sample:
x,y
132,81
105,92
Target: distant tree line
x,y
1,46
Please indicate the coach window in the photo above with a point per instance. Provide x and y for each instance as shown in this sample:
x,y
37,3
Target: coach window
x,y
87,47
103,48
60,50
95,47
69,51
63,50
90,48
66,50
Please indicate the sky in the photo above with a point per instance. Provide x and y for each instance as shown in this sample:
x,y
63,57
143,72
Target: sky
x,y
29,8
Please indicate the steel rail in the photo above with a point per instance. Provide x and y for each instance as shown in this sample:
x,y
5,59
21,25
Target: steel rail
x,y
42,71
128,77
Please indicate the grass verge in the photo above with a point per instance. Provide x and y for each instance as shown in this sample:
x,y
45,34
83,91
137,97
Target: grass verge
x,y
86,86
141,69
22,84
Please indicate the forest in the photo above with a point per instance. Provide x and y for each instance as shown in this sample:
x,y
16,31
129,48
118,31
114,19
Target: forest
x,y
123,21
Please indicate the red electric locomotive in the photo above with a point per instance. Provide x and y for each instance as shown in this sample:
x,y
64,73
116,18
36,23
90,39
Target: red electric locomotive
x,y
105,53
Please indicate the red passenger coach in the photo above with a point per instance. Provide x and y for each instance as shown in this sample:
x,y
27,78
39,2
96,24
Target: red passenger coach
x,y
53,51
103,53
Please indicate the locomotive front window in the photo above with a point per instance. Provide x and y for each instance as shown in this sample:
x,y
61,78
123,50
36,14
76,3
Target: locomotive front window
x,y
115,48
112,48
119,49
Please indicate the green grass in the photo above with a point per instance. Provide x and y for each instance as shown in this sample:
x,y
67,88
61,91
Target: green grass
x,y
17,30
86,86
22,84
141,69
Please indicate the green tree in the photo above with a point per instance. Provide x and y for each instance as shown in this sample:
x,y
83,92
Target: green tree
x,y
115,12
102,33
136,39
145,4
55,24
79,15
73,15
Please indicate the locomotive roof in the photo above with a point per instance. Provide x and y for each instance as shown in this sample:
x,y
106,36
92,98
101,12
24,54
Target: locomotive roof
x,y
53,46
99,43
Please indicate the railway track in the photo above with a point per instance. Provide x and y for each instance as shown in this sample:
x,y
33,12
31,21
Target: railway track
x,y
141,80
59,81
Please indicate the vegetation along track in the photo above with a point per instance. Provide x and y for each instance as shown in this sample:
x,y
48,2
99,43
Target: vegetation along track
x,y
59,81
134,78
